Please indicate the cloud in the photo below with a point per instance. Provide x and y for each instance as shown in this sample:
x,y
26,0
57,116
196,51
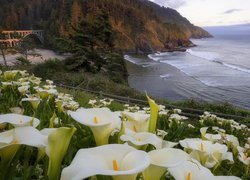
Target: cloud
x,y
175,4
230,11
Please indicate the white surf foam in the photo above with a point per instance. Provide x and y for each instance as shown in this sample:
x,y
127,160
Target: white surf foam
x,y
215,58
211,56
154,57
130,59
165,75
236,67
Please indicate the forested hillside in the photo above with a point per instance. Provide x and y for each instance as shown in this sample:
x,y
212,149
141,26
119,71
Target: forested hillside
x,y
137,24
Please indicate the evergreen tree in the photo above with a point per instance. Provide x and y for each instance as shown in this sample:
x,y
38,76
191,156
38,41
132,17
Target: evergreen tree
x,y
25,46
90,41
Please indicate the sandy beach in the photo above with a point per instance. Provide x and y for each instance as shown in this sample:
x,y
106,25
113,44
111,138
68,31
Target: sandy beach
x,y
38,56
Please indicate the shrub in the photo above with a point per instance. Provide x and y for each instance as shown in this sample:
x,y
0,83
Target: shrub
x,y
47,69
22,61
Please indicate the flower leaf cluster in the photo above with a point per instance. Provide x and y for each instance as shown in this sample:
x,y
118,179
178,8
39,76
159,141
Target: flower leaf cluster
x,y
44,134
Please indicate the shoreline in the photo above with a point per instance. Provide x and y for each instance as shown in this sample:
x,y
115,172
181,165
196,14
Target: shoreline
x,y
35,57
168,82
175,49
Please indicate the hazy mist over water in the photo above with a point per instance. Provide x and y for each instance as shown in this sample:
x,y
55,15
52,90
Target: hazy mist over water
x,y
218,69
243,29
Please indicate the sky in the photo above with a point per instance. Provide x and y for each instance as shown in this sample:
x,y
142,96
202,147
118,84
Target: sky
x,y
211,12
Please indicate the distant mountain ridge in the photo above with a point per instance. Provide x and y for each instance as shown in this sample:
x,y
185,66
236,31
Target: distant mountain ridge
x,y
139,25
172,16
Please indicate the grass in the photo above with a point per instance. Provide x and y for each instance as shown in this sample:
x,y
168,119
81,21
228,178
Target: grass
x,y
56,71
83,138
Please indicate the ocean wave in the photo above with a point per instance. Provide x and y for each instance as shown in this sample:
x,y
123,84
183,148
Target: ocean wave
x,y
236,67
165,75
162,55
215,58
204,55
155,57
130,59
148,64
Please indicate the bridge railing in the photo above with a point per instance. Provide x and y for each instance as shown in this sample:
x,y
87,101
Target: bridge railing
x,y
13,37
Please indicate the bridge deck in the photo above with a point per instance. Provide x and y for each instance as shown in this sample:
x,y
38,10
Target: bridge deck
x,y
11,40
21,31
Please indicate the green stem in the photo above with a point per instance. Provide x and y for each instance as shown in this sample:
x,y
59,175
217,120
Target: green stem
x,y
215,167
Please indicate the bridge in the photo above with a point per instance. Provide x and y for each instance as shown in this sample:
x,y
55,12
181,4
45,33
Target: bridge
x,y
14,38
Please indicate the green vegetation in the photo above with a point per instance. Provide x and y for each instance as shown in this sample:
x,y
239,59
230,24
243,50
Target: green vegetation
x,y
139,26
43,143
102,82
110,81
23,61
94,31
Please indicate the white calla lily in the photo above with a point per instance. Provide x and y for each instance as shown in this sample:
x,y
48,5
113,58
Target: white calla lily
x,y
23,135
193,170
206,152
161,160
17,110
213,137
137,122
34,101
116,160
226,178
190,170
145,138
243,155
244,158
229,139
18,120
23,89
58,143
210,137
100,120
177,117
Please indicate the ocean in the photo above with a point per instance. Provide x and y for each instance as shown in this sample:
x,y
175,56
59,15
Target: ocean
x,y
216,70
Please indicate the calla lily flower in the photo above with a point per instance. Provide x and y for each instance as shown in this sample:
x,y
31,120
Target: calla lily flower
x,y
10,75
206,152
116,160
131,116
229,139
190,170
18,120
17,110
100,120
243,155
144,138
210,137
23,135
35,101
142,122
23,89
138,122
58,142
193,170
154,110
45,93
10,141
244,158
161,160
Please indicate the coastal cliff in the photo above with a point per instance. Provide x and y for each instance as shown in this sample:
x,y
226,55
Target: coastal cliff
x,y
138,25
